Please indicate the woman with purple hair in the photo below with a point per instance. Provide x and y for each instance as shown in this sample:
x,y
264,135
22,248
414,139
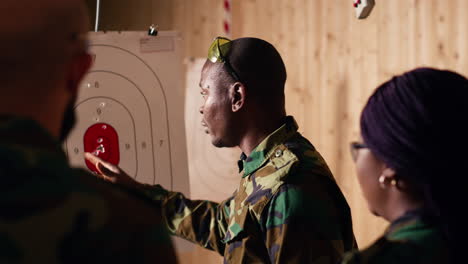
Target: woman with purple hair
x,y
412,168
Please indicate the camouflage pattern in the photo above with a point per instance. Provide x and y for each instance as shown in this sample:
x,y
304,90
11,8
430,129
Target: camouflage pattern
x,y
411,239
287,208
51,213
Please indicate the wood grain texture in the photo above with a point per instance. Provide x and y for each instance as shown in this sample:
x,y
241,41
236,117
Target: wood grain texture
x,y
334,63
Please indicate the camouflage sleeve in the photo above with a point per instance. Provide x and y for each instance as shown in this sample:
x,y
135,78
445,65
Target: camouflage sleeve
x,y
199,221
300,228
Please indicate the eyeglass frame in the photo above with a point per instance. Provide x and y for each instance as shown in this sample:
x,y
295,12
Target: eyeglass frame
x,y
223,59
354,147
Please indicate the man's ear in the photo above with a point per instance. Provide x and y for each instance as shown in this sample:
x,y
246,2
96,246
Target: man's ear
x,y
78,69
237,93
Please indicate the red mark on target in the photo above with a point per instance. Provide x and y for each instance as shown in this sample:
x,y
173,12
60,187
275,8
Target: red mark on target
x,y
228,17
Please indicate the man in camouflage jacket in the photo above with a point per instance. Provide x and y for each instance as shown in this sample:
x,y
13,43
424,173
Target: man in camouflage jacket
x,y
287,208
49,212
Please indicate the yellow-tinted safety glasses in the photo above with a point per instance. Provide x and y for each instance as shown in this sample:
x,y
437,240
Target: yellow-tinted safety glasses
x,y
217,53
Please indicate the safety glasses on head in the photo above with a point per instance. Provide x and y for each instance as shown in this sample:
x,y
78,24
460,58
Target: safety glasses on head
x,y
218,53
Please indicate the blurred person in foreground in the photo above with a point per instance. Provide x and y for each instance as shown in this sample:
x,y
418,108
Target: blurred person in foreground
x,y
50,212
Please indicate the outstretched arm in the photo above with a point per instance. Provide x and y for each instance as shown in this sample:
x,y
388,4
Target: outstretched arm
x,y
199,221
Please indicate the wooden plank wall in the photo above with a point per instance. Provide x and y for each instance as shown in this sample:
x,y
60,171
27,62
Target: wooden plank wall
x,y
334,61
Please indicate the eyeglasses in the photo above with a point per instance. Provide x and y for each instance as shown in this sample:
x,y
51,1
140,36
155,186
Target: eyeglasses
x,y
354,147
217,53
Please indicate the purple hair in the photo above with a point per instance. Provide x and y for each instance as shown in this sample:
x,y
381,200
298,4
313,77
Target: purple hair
x,y
416,124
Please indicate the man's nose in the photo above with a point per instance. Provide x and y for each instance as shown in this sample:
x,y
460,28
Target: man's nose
x,y
201,110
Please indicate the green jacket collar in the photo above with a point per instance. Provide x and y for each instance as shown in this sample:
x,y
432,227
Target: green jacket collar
x,y
26,134
404,226
266,148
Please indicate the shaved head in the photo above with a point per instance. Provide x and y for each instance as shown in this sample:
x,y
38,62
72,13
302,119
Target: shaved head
x,y
43,58
260,66
37,36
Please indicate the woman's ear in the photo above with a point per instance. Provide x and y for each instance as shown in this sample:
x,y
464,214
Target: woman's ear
x,y
398,182
237,94
388,172
388,178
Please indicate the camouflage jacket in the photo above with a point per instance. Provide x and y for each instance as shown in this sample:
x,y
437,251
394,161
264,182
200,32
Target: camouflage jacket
x,y
287,208
410,239
51,213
